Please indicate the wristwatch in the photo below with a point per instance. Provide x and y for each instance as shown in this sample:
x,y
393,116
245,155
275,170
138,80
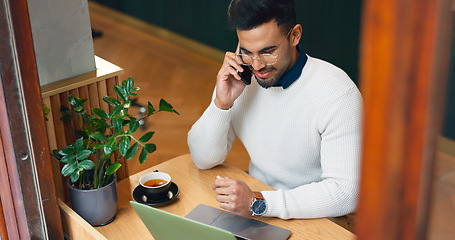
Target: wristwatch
x,y
258,206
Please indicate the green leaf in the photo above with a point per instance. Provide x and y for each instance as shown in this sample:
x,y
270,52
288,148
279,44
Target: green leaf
x,y
98,136
108,149
146,137
143,155
115,111
111,101
69,168
167,107
120,92
124,86
134,125
68,150
110,146
86,164
123,113
75,176
72,100
79,110
83,154
78,144
113,168
151,109
64,109
67,116
98,123
131,151
130,84
98,146
150,147
124,145
77,104
118,124
57,155
100,113
105,156
46,111
81,134
68,158
86,130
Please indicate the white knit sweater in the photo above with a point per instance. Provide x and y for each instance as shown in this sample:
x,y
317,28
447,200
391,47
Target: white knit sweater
x,y
304,141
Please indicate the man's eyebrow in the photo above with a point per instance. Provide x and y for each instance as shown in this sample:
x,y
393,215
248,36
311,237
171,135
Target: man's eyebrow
x,y
260,51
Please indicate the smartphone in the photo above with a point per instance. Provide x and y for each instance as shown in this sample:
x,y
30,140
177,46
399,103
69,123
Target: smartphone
x,y
246,75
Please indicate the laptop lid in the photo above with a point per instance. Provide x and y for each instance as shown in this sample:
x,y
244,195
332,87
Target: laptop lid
x,y
164,226
242,227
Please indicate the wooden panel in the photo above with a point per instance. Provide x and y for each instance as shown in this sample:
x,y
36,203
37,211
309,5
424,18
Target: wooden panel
x,y
93,96
83,94
403,73
75,227
51,135
110,82
58,124
102,91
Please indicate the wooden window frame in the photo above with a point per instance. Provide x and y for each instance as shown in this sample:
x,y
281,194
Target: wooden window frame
x,y
404,66
26,182
404,69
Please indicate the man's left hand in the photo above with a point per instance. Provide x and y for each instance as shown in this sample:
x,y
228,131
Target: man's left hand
x,y
233,194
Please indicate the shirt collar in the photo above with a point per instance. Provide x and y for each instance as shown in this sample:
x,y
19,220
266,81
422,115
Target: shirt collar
x,y
294,73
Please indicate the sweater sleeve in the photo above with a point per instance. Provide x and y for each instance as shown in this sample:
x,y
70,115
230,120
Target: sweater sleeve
x,y
210,138
336,194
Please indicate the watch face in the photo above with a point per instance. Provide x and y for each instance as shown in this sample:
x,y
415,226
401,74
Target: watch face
x,y
259,207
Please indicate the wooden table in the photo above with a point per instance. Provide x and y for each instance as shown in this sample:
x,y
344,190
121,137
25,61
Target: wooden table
x,y
194,185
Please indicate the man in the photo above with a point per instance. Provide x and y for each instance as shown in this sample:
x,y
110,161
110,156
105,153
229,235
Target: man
x,y
300,121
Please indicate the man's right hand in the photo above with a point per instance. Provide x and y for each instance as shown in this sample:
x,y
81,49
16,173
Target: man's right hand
x,y
229,85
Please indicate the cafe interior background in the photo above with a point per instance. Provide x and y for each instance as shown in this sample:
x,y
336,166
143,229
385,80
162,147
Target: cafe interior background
x,y
173,50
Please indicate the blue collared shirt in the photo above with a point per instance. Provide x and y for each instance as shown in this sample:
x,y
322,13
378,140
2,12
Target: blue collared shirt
x,y
294,73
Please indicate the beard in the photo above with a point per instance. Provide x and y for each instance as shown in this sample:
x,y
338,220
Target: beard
x,y
267,82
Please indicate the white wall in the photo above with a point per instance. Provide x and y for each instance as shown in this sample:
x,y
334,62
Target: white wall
x,y
62,38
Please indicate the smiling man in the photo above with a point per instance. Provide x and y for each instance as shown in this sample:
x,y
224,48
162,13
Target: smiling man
x,y
299,119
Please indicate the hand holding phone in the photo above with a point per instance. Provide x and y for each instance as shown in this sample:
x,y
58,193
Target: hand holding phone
x,y
231,80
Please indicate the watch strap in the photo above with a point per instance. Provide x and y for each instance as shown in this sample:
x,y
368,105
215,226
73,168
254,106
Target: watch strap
x,y
258,195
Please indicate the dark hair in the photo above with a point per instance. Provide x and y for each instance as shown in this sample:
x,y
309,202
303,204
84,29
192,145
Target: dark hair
x,y
249,14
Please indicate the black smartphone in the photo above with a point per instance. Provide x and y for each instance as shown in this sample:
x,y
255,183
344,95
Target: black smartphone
x,y
246,75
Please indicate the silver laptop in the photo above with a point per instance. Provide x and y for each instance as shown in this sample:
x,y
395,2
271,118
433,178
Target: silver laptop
x,y
205,222
241,227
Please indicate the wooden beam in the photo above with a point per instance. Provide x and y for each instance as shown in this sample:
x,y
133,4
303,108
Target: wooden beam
x,y
23,131
404,68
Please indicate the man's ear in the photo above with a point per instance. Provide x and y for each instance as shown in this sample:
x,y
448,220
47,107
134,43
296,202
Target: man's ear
x,y
295,35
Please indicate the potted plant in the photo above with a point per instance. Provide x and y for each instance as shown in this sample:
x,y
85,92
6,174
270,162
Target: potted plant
x,y
92,160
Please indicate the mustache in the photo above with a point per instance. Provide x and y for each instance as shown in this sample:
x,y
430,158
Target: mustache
x,y
265,69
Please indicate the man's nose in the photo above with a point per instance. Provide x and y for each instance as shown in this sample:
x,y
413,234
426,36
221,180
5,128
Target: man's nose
x,y
257,64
